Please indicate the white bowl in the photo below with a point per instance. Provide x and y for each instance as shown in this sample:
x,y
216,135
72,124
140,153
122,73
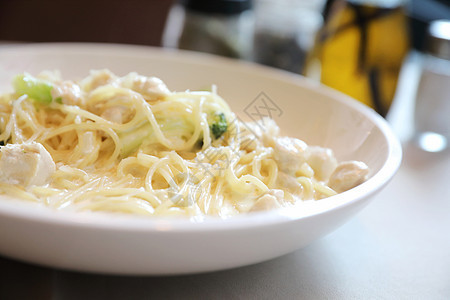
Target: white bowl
x,y
131,245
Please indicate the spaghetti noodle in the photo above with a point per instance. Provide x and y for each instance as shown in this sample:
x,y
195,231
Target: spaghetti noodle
x,y
129,145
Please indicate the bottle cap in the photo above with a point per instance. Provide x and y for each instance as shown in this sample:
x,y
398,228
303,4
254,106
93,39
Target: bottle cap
x,y
224,7
439,39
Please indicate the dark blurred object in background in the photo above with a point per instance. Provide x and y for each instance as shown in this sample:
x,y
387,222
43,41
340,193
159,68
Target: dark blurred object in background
x,y
274,33
222,27
112,21
421,13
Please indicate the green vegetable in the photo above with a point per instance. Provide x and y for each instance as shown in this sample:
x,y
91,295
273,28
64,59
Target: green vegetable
x,y
37,89
132,139
218,124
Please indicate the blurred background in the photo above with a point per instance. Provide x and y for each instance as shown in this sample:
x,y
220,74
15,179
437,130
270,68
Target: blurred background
x,y
355,46
145,22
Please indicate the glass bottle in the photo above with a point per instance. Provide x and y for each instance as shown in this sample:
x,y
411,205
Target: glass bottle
x,y
361,48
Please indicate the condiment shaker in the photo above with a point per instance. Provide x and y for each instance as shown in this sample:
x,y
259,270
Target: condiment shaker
x,y
432,107
222,27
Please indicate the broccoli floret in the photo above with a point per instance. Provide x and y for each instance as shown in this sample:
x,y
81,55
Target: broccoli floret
x,y
218,124
37,89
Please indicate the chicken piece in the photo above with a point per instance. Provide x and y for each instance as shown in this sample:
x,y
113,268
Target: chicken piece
x,y
267,130
268,201
150,87
322,161
97,78
116,114
347,175
25,164
289,153
50,75
69,93
289,184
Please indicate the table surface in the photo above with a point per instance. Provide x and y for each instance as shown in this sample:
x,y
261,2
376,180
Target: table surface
x,y
396,248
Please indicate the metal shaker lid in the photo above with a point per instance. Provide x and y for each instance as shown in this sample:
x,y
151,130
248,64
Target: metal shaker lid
x,y
438,39
224,7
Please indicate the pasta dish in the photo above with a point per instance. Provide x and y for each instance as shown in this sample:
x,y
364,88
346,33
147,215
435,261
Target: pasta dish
x,y
130,145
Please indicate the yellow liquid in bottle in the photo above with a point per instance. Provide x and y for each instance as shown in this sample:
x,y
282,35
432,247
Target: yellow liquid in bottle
x,y
361,49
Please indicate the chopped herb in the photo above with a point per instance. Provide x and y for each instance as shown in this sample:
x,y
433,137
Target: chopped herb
x,y
218,124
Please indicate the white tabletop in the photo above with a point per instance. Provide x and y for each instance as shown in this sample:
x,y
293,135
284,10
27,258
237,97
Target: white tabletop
x,y
396,248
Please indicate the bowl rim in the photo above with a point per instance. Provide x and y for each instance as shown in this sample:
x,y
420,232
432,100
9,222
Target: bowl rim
x,y
281,216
